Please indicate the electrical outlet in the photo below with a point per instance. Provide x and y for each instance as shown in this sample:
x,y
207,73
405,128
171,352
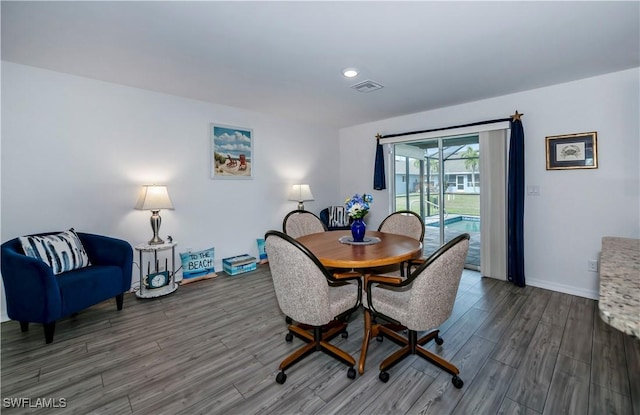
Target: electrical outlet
x,y
592,265
533,190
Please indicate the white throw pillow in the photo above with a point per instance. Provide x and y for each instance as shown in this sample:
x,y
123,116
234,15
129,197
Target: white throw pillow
x,y
61,251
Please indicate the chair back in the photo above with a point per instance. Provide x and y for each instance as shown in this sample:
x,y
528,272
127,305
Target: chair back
x,y
300,223
434,285
299,279
404,222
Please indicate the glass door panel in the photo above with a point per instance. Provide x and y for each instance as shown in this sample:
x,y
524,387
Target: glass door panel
x,y
439,179
409,178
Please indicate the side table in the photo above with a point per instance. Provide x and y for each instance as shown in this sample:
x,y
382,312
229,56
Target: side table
x,y
171,286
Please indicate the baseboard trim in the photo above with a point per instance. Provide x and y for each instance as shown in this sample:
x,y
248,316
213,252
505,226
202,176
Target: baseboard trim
x,y
566,289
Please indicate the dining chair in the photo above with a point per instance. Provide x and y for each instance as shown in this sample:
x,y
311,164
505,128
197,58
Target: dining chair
x,y
312,296
406,223
422,301
299,223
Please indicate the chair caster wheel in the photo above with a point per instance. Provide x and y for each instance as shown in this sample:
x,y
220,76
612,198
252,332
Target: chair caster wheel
x,y
351,373
457,382
288,337
379,337
281,378
439,340
344,334
288,320
384,376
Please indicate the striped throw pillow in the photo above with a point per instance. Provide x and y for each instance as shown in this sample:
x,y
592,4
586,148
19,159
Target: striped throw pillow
x,y
338,216
61,251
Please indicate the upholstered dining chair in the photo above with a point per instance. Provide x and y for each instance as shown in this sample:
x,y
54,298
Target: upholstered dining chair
x,y
406,223
311,295
299,223
422,301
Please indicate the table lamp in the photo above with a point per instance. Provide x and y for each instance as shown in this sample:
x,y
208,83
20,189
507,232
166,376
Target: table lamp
x,y
300,193
154,198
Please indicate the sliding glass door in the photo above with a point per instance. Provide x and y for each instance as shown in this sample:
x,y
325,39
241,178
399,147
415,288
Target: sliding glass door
x,y
440,180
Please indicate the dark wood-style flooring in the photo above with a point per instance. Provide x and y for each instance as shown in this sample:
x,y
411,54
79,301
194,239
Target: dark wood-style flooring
x,y
214,346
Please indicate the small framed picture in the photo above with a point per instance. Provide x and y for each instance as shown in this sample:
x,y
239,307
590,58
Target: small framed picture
x,y
231,152
572,151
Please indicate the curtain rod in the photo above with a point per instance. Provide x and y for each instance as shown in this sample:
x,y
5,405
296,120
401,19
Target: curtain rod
x,y
513,117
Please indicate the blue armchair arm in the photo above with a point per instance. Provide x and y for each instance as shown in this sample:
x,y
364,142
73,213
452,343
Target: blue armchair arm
x,y
324,217
32,291
104,250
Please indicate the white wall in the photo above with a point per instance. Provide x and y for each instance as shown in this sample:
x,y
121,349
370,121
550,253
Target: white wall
x,y
576,208
75,152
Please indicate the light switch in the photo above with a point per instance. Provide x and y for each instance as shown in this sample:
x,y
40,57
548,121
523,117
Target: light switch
x,y
533,190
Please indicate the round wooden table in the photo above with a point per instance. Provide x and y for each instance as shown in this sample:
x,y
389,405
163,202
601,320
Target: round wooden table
x,y
392,249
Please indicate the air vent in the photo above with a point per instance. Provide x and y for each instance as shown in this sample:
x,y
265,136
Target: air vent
x,y
367,86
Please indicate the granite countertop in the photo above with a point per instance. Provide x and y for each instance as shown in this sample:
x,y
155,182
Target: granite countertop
x,y
619,302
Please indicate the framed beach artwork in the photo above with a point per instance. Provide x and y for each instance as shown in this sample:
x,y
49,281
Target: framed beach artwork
x,y
572,151
231,152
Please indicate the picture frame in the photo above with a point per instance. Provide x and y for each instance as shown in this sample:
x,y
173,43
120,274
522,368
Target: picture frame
x,y
572,151
231,152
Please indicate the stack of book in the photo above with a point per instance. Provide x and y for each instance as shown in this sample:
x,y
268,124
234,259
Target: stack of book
x,y
239,264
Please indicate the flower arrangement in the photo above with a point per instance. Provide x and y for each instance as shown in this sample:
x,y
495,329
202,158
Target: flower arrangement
x,y
358,206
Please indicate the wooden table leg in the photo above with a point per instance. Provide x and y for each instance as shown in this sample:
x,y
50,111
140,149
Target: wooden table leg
x,y
365,341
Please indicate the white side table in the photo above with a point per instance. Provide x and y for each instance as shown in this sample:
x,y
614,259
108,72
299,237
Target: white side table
x,y
171,286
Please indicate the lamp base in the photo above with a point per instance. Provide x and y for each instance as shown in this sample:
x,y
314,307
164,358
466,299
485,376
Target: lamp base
x,y
156,241
156,220
300,206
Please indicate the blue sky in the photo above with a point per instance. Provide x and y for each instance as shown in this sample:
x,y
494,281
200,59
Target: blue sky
x,y
234,141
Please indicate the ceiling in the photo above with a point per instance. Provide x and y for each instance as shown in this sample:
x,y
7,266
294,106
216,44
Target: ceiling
x,y
285,58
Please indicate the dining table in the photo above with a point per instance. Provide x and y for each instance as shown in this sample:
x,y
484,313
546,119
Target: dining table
x,y
336,249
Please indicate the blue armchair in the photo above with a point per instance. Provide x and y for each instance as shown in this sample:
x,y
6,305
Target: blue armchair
x,y
34,294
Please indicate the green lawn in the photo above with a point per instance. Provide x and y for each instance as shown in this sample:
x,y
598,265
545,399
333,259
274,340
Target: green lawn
x,y
462,204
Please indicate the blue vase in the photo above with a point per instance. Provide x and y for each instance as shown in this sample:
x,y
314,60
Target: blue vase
x,y
358,228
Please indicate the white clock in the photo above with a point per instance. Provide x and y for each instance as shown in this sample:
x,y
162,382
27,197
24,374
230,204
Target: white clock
x,y
157,280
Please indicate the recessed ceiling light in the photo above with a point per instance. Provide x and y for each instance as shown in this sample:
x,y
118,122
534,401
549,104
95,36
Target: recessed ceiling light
x,y
350,72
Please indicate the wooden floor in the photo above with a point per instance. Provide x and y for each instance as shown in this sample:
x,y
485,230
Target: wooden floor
x,y
213,347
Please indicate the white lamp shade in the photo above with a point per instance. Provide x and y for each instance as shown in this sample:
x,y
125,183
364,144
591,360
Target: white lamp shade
x,y
300,193
153,197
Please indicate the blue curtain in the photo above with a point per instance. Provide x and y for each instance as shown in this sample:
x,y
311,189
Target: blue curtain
x,y
515,204
379,181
